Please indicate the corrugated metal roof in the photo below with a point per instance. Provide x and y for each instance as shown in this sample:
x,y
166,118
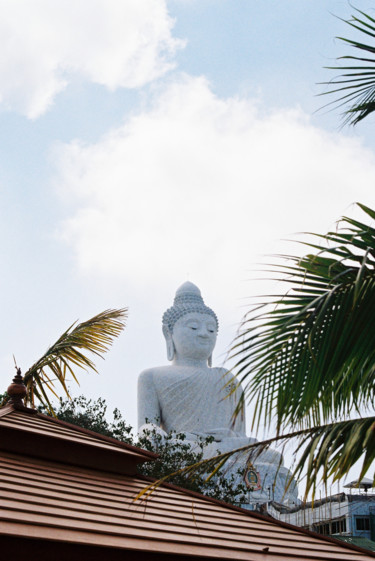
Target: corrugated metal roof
x,y
356,540
77,505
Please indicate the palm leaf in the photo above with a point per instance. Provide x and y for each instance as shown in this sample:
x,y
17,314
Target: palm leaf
x,y
357,87
309,356
69,352
332,450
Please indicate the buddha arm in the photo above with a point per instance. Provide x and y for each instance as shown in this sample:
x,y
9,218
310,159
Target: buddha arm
x,y
239,424
148,402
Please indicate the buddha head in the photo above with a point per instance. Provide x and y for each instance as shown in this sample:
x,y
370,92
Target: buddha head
x,y
189,326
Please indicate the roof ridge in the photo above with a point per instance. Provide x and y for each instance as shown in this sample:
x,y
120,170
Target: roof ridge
x,y
63,437
11,407
97,435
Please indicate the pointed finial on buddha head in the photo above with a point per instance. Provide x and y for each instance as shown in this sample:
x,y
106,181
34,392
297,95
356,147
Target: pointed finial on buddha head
x,y
190,290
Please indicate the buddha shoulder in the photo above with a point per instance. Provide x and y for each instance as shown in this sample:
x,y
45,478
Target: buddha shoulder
x,y
147,376
228,382
223,373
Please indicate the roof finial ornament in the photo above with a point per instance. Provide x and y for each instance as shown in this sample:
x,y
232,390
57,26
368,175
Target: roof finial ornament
x,y
17,389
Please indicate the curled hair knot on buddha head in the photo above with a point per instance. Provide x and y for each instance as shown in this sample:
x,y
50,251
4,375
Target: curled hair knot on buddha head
x,y
188,300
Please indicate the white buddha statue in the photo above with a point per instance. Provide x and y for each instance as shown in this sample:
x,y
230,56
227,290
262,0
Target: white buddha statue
x,y
189,396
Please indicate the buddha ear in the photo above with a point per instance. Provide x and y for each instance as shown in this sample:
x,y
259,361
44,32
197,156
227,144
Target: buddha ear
x,y
170,348
209,361
170,345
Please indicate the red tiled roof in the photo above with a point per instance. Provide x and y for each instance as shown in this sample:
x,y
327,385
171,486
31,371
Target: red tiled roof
x,y
67,503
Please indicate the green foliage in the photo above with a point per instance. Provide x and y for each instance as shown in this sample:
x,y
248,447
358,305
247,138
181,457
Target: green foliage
x,y
175,459
174,454
91,415
307,357
356,87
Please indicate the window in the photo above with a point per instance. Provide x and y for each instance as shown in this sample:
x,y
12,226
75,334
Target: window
x,y
338,526
332,527
322,529
362,523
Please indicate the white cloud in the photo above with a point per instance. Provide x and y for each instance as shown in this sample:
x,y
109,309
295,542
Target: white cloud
x,y
115,43
202,185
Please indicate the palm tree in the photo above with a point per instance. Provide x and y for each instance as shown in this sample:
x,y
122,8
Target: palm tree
x,y
356,86
307,358
70,352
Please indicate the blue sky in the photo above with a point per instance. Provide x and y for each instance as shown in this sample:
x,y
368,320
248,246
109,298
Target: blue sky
x,y
144,144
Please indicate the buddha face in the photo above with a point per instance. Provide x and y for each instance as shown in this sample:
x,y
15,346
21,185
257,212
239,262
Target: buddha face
x,y
194,336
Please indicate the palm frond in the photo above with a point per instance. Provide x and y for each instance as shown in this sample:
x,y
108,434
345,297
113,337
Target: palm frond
x,y
69,352
308,356
326,451
358,86
331,451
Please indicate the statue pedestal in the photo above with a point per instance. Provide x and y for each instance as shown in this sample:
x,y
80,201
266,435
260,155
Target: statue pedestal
x,y
274,477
